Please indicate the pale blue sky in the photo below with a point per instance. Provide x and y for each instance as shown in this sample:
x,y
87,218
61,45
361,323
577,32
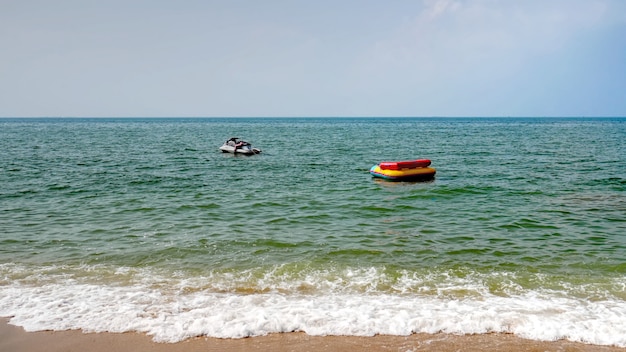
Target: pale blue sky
x,y
312,58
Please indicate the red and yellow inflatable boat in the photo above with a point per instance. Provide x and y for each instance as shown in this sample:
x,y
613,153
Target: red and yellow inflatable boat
x,y
408,170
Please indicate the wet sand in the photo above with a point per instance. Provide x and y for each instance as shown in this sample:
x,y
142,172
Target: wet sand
x,y
15,339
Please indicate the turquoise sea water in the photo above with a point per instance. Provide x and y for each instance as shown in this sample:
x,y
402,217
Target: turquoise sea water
x,y
144,225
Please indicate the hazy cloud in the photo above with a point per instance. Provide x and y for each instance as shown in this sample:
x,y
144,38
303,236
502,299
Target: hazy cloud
x,y
324,58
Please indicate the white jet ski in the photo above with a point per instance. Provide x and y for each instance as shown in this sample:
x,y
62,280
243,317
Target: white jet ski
x,y
236,146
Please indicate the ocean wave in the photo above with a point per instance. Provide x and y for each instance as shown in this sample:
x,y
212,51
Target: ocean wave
x,y
178,307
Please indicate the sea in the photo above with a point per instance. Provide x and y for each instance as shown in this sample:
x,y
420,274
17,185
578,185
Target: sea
x,y
143,225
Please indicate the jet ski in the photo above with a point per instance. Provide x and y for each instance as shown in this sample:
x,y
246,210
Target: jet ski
x,y
236,146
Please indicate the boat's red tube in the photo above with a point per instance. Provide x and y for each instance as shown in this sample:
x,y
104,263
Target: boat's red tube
x,y
407,164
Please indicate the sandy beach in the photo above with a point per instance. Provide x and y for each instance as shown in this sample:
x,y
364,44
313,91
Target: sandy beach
x,y
15,339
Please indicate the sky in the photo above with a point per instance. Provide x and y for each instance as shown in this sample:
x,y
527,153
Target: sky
x,y
309,58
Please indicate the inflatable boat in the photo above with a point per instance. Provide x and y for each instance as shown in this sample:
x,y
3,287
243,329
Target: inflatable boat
x,y
408,170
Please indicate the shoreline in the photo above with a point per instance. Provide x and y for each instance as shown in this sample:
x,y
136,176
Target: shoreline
x,y
15,339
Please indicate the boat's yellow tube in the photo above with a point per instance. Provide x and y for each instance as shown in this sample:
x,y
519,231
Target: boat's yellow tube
x,y
419,173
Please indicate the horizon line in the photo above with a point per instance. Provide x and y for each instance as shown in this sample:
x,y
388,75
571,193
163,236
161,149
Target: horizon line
x,y
304,117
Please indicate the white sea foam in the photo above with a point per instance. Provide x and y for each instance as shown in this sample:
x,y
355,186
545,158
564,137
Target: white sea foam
x,y
175,315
